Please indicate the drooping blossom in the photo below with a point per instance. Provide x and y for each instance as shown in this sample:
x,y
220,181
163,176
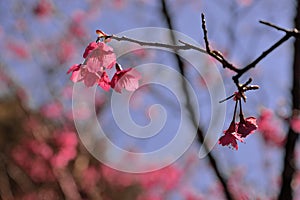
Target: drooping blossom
x,y
230,137
127,79
246,126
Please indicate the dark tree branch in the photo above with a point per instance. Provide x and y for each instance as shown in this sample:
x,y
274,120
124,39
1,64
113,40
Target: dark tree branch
x,y
216,54
262,56
288,35
200,134
289,165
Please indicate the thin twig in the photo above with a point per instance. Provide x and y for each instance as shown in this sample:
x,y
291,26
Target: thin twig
x,y
272,25
294,32
288,35
205,33
216,54
185,46
262,56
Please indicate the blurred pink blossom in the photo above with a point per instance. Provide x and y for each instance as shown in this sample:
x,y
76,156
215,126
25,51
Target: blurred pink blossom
x,y
18,49
52,110
270,128
67,149
43,8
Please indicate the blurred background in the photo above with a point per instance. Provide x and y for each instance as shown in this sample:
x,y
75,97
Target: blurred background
x,y
41,154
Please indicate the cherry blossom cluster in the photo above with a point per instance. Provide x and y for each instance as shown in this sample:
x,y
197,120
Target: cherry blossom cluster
x,y
98,58
39,158
237,131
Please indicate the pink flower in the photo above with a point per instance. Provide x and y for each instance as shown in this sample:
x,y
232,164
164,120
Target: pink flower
x,y
127,79
81,73
99,56
89,78
230,137
76,73
104,82
89,48
246,126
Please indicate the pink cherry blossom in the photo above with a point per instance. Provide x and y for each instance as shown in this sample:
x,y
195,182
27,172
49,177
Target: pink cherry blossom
x,y
127,79
80,73
104,82
230,137
99,56
76,73
90,79
246,126
89,48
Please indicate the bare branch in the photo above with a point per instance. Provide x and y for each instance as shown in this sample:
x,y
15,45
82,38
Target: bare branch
x,y
262,56
216,54
205,32
185,46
